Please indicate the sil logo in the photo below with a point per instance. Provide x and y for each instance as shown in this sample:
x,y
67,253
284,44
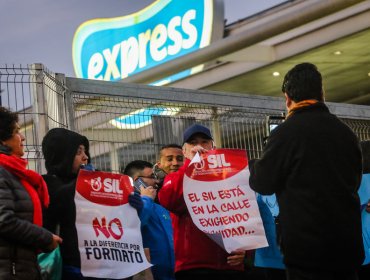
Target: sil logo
x,y
108,185
199,165
96,184
213,161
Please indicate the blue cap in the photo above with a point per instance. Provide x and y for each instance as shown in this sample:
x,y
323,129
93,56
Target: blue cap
x,y
195,129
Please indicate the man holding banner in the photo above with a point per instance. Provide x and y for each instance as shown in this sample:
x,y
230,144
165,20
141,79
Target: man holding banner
x,y
200,233
100,230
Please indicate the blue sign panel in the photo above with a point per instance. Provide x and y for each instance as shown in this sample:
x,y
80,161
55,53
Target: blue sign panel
x,y
113,49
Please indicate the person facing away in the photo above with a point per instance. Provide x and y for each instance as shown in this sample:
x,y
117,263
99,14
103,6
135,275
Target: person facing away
x,y
156,227
312,162
197,256
65,151
23,193
170,160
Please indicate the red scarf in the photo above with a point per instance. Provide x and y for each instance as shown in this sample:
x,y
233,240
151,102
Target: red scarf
x,y
301,104
32,182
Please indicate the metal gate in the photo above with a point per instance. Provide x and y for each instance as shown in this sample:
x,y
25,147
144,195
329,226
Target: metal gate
x,y
125,122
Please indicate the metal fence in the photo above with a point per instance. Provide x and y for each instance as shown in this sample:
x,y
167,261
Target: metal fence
x,y
125,122
39,98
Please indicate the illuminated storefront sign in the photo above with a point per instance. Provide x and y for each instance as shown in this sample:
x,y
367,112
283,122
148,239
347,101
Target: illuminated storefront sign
x,y
115,48
142,117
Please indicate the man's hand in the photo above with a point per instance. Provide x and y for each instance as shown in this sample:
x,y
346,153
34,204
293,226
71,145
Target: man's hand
x,y
190,150
236,258
149,191
134,199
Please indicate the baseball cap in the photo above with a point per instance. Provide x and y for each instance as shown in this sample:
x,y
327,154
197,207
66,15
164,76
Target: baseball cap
x,y
195,129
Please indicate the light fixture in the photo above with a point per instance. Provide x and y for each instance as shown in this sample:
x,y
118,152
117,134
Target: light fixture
x,y
276,74
337,53
142,117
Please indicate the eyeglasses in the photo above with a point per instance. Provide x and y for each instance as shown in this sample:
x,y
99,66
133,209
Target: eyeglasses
x,y
152,176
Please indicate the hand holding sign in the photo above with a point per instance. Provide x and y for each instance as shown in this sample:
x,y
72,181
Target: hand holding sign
x,y
190,151
236,258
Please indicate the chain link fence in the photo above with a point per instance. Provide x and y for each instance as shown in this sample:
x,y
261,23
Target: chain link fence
x,y
38,97
125,122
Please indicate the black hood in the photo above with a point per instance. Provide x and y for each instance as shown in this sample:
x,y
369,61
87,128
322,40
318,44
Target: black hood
x,y
59,147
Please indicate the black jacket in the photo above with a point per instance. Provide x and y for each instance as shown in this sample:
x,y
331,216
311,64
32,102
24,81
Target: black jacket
x,y
19,237
59,147
62,213
312,162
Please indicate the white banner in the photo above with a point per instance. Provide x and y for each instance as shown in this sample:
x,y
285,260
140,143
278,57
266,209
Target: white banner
x,y
108,228
220,201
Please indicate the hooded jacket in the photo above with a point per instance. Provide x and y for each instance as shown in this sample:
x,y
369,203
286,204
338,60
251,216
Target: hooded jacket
x,y
59,147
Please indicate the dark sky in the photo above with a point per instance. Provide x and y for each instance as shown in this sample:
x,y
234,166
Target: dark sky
x,y
41,31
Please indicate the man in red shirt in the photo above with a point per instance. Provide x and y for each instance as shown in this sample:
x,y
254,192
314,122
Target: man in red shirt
x,y
196,255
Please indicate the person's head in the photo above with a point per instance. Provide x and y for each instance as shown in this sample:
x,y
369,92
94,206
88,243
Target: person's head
x,y
171,158
197,135
303,82
365,149
10,135
141,169
64,152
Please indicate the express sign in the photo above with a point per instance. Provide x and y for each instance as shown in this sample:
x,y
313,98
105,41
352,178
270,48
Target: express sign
x,y
112,49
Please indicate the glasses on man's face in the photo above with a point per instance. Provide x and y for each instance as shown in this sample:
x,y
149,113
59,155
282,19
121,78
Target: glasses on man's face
x,y
152,176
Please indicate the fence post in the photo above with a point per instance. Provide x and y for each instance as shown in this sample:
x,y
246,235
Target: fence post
x,y
114,161
69,109
216,128
58,107
40,120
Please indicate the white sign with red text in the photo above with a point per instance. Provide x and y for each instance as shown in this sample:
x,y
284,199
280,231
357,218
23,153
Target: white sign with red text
x,y
108,228
220,201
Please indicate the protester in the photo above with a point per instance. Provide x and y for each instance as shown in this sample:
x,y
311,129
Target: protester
x,y
65,152
156,225
170,160
197,256
23,193
312,162
364,192
269,259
